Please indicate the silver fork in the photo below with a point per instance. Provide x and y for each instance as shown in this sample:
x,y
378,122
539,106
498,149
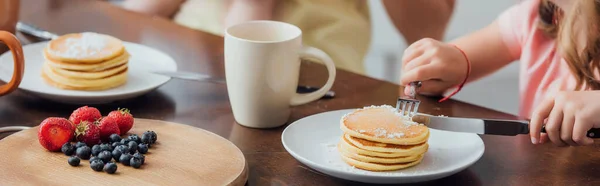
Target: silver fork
x,y
409,103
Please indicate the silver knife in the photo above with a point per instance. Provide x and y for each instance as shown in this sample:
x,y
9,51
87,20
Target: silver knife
x,y
190,76
35,31
482,126
203,77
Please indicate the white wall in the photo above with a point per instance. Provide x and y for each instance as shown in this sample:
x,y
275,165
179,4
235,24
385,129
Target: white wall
x,y
498,91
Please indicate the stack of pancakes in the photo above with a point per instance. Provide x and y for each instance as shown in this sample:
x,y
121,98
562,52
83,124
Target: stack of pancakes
x,y
85,61
378,138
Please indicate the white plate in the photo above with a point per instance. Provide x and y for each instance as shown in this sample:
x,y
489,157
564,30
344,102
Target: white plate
x,y
139,81
312,140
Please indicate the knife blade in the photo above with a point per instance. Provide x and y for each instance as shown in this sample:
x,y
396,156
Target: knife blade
x,y
35,31
203,77
482,126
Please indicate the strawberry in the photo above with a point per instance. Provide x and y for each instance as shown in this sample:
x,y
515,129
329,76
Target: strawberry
x,y
88,133
54,132
108,126
123,118
85,113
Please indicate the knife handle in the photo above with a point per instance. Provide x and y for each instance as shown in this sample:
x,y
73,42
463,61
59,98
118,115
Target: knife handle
x,y
592,133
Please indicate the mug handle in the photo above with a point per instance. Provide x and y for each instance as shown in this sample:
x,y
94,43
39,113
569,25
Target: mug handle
x,y
314,53
17,51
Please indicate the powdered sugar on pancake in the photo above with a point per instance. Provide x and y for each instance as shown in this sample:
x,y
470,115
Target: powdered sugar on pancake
x,y
383,131
88,44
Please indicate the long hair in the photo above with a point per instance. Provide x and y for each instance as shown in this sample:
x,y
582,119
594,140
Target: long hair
x,y
583,20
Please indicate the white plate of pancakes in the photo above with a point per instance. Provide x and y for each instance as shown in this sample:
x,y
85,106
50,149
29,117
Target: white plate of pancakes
x,y
89,68
376,145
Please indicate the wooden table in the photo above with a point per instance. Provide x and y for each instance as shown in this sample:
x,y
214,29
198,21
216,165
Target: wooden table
x,y
507,160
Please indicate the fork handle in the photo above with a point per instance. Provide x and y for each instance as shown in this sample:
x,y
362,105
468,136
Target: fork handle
x,y
414,88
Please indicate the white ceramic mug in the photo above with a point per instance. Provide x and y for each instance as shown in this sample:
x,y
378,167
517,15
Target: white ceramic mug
x,y
262,67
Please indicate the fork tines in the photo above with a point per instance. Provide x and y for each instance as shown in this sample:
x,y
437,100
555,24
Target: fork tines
x,y
409,106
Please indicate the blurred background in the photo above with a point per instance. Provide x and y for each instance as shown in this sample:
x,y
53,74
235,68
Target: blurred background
x,y
499,91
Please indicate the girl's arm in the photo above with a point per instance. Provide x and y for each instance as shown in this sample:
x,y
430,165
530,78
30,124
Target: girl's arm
x,y
440,66
486,50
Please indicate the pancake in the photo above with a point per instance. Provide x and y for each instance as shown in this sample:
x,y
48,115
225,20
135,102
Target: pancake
x,y
350,147
380,166
373,159
383,124
88,75
385,147
87,47
107,64
108,82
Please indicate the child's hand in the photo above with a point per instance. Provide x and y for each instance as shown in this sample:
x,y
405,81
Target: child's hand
x,y
569,116
437,65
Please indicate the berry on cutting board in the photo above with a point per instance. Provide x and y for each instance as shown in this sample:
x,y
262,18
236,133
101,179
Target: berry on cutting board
x,y
116,154
97,165
79,144
96,149
74,161
95,158
83,152
85,113
115,138
139,156
68,149
132,146
143,148
124,119
147,137
125,159
135,162
54,132
110,168
88,133
108,126
105,156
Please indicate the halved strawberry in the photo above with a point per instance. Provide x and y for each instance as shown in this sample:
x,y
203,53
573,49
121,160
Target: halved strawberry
x,y
88,133
123,118
85,113
108,126
54,132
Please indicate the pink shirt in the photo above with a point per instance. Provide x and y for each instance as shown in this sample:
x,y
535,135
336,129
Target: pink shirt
x,y
543,71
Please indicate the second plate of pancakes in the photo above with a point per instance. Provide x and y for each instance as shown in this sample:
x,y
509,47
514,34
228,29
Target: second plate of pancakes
x,y
319,142
142,60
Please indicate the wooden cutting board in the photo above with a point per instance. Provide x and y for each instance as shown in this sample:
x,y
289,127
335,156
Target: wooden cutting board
x,y
182,155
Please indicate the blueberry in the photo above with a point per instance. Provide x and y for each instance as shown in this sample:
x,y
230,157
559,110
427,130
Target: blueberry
x,y
116,144
123,148
74,161
80,144
154,137
96,158
96,149
139,156
143,148
135,162
125,159
83,152
132,146
116,154
135,137
114,138
147,137
97,165
125,140
106,156
68,149
110,168
105,147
